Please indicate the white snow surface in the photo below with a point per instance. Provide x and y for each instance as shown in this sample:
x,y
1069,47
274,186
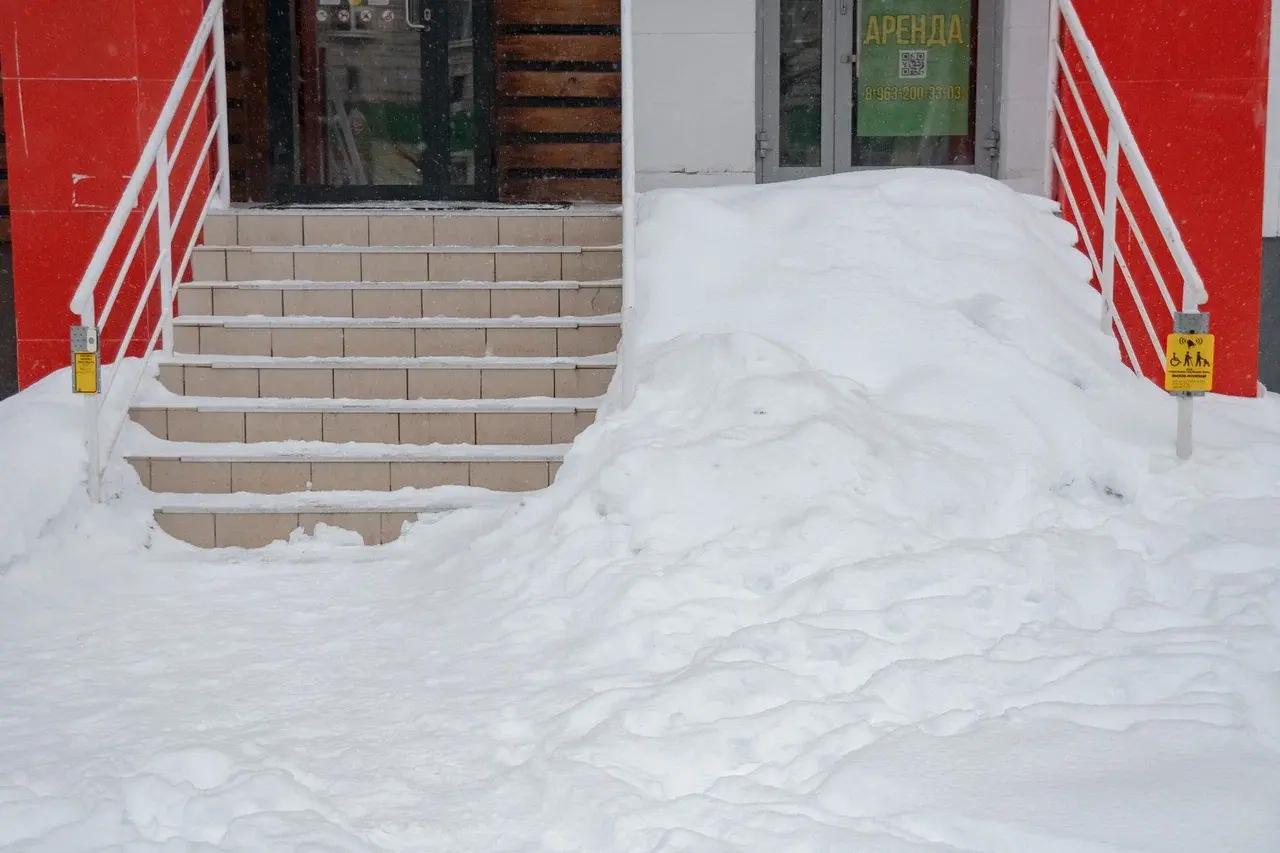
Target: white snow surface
x,y
883,551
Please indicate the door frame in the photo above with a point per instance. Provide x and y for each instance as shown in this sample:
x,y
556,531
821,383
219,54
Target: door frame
x,y
837,123
284,130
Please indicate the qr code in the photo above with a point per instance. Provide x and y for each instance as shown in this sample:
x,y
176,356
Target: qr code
x,y
913,64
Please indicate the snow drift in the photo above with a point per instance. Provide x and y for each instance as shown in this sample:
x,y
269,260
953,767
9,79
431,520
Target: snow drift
x,y
877,547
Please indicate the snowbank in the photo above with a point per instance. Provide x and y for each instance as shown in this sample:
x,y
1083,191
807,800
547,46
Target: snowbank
x,y
883,550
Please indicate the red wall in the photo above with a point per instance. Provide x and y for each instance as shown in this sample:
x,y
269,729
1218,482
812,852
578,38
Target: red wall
x,y
83,86
1192,78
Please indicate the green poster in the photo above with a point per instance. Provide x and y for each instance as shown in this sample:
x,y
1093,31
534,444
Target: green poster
x,y
914,61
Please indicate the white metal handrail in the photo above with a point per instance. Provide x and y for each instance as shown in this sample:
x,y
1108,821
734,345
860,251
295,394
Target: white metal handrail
x,y
104,416
1120,148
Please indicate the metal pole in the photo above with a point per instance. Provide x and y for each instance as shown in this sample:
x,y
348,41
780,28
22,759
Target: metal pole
x,y
223,190
165,260
1108,283
89,319
1051,116
629,196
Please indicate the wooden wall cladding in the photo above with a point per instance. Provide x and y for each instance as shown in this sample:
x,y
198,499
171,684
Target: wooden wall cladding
x,y
559,105
246,36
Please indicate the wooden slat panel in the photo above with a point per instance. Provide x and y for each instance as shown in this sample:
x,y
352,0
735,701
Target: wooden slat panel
x,y
547,48
524,12
560,120
562,155
561,189
560,84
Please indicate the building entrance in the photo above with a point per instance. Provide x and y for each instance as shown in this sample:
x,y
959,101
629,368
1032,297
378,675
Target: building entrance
x,y
381,99
855,84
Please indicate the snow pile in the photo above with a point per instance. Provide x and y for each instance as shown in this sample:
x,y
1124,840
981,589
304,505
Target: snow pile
x,y
882,550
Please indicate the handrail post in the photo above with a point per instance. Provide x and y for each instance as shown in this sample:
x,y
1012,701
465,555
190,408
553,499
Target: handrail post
x,y
1051,114
223,189
165,227
629,194
1111,197
92,405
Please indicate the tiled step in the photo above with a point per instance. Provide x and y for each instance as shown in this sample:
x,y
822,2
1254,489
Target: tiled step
x,y
401,299
365,468
491,422
388,378
410,263
300,337
584,225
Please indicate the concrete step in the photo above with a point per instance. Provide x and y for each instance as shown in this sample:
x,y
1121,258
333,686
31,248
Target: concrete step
x,y
490,422
435,378
285,469
401,299
257,528
301,337
409,263
582,225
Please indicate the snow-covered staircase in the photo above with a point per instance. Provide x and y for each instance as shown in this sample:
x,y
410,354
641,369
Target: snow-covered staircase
x,y
349,367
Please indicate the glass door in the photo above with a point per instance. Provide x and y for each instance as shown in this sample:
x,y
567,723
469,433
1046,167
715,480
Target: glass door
x,y
381,99
911,84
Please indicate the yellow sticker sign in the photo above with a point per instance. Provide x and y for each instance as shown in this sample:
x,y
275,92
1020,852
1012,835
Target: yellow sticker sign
x,y
1189,363
84,372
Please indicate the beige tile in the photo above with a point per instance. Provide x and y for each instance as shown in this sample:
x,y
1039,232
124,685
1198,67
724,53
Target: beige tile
x,y
593,266
513,428
259,266
592,231
270,230
583,381
220,230
299,343
369,427
590,301
393,524
404,230
478,266
383,303
327,266
186,339
283,426
394,266
466,231
208,265
192,425
142,467
220,382
428,475
154,421
520,266
367,524
296,382
531,231
455,303
521,342
525,303
379,343
505,384
194,301
459,342
186,478
335,230
329,302
246,302
369,384
219,340
351,476
253,530
567,426
588,340
444,384
510,476
171,377
270,478
437,428
194,528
